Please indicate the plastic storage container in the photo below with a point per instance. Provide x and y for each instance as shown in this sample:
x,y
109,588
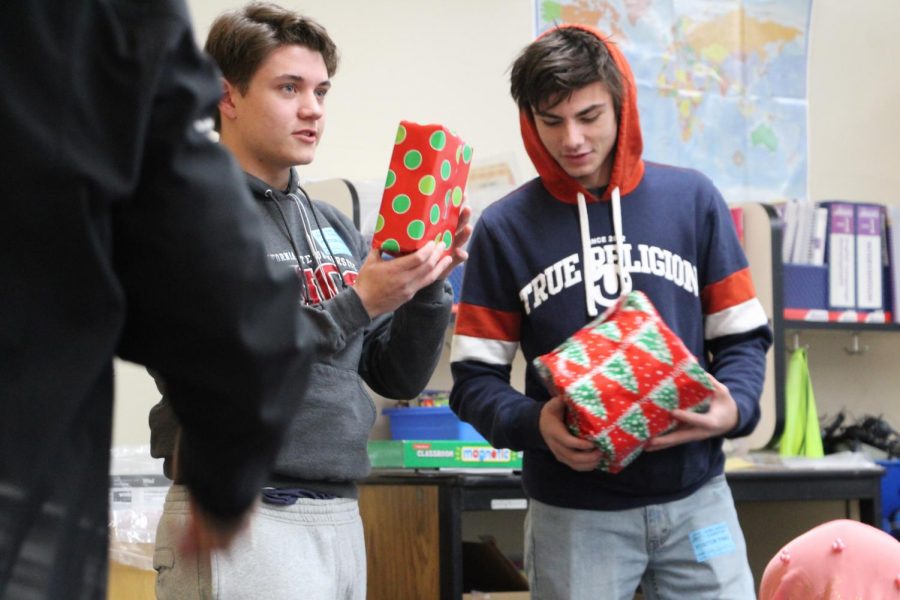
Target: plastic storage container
x,y
890,496
429,423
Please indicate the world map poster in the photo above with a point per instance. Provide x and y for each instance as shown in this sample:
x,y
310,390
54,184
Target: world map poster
x,y
721,84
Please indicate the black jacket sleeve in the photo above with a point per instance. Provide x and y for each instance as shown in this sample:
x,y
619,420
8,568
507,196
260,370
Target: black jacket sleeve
x,y
204,309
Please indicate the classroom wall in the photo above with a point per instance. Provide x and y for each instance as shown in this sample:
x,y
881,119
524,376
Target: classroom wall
x,y
440,61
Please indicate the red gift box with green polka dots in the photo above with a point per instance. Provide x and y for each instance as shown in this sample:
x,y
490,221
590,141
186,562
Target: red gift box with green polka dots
x,y
424,189
620,377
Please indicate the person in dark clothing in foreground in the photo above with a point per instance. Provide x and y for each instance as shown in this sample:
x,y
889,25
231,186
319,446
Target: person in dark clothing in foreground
x,y
126,232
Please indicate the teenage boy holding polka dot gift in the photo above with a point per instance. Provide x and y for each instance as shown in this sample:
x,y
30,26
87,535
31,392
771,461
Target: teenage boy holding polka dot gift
x,y
385,320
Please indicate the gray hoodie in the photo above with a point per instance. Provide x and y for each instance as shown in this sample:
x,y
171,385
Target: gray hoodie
x,y
395,354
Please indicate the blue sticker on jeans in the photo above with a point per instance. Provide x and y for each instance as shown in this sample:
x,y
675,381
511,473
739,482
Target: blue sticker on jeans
x,y
712,541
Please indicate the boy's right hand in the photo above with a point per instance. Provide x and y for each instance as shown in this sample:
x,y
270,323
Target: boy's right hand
x,y
206,533
578,454
384,285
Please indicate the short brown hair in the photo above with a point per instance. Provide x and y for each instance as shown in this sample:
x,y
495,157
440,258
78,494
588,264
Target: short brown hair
x,y
240,40
560,62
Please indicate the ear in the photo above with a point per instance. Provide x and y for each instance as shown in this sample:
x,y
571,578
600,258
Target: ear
x,y
227,108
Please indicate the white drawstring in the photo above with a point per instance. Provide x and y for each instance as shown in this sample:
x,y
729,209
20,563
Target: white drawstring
x,y
590,273
624,276
589,270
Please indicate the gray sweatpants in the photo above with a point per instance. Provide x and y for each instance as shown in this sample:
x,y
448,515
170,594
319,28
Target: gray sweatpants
x,y
313,549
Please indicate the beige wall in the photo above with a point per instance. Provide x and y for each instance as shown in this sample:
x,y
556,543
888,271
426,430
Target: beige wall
x,y
854,101
447,61
854,105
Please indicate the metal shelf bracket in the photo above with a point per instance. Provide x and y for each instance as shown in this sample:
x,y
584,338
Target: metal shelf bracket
x,y
855,348
795,343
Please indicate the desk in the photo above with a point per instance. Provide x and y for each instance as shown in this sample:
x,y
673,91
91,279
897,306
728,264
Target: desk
x,y
413,519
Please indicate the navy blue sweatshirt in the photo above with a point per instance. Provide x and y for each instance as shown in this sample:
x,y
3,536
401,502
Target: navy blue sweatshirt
x,y
524,288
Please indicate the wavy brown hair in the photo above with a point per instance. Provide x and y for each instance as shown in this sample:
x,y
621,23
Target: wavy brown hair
x,y
560,62
240,40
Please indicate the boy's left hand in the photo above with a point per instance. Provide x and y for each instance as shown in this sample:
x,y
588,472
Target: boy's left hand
x,y
463,232
721,418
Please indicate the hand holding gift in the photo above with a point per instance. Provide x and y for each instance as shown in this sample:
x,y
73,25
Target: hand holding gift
x,y
579,454
626,378
421,221
424,191
721,418
383,285
457,251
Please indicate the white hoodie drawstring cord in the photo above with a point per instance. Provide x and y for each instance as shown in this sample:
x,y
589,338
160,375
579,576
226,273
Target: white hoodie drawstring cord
x,y
589,266
589,272
624,276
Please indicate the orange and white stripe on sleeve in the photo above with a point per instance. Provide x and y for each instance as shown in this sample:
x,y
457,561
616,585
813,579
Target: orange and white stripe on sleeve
x,y
486,335
731,306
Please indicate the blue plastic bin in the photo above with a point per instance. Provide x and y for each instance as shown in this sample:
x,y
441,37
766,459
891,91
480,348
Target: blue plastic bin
x,y
890,496
429,423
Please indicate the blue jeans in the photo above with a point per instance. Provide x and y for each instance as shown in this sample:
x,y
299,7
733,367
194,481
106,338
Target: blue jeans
x,y
689,549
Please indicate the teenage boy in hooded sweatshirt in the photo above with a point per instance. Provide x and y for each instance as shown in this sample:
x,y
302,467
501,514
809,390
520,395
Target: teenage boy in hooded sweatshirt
x,y
667,521
386,321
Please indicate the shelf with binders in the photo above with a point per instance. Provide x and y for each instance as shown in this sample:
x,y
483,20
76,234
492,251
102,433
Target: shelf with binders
x,y
847,272
807,299
776,282
859,384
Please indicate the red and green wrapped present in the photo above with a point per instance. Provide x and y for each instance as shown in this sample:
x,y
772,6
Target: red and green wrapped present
x,y
423,192
620,377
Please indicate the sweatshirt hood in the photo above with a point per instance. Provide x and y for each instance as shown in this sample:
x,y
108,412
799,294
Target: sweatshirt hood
x,y
627,167
261,189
